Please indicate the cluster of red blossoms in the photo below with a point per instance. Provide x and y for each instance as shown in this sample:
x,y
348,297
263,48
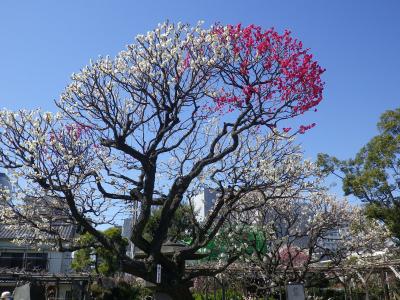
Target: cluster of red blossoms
x,y
302,128
292,256
273,71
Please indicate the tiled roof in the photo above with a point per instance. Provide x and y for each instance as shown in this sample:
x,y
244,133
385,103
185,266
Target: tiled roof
x,y
66,231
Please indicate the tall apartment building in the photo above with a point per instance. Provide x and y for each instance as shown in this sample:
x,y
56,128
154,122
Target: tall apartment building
x,y
203,203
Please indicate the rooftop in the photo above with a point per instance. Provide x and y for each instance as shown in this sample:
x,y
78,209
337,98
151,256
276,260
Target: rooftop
x,y
66,232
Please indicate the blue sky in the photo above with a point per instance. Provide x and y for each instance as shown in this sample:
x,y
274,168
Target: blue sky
x,y
358,42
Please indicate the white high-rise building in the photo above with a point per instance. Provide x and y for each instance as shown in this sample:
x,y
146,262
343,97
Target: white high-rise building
x,y
126,233
203,203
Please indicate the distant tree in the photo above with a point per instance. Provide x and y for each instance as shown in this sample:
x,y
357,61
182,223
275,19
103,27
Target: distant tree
x,y
182,107
93,257
96,258
180,224
373,175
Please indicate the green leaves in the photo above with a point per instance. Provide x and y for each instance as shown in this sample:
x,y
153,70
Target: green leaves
x,y
95,258
389,215
390,122
180,226
373,175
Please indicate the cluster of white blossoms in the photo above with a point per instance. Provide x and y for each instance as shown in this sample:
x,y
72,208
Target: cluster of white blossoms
x,y
296,213
365,236
40,147
41,143
171,54
291,166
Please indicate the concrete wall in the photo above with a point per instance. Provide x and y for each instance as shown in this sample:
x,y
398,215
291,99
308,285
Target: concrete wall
x,y
55,262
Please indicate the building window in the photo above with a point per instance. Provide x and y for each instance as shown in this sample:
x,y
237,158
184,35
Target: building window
x,y
11,260
36,261
27,261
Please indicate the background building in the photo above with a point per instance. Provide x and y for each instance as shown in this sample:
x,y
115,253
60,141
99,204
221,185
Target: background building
x,y
203,203
44,272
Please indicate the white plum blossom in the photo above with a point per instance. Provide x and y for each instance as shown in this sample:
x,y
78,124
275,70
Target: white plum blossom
x,y
286,229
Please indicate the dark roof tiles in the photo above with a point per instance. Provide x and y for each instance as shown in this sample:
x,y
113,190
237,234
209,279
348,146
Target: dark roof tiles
x,y
66,232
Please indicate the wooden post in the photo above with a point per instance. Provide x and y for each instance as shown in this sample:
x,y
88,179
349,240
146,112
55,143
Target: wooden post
x,y
365,284
215,290
223,290
385,290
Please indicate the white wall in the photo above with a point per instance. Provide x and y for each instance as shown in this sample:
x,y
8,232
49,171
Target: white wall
x,y
203,203
59,262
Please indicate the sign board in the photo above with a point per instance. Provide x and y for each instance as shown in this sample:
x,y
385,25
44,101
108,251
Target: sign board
x,y
295,291
158,279
22,292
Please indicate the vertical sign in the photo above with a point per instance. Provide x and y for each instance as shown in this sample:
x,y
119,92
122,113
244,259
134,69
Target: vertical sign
x,y
295,291
158,279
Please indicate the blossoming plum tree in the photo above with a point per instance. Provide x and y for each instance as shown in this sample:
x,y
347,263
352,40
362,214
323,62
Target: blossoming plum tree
x,y
286,240
294,231
180,108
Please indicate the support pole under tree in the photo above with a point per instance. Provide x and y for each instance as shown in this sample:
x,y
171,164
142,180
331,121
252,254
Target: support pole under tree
x,y
347,287
364,282
385,290
223,290
221,283
388,286
351,284
215,290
